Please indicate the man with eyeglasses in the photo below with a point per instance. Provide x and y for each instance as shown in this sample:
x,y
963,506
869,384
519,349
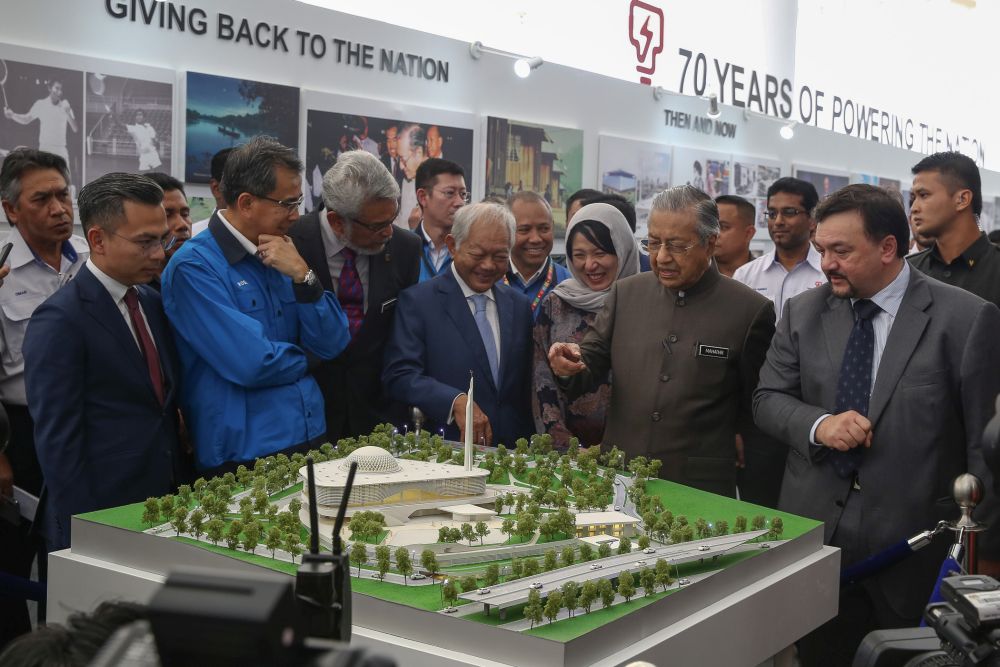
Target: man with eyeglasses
x,y
45,255
249,315
688,342
358,254
100,367
411,144
794,265
441,192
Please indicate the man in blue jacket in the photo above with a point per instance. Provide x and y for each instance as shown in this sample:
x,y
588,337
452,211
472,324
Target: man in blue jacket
x,y
249,314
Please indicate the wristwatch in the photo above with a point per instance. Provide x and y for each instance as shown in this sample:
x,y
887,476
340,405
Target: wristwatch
x,y
309,279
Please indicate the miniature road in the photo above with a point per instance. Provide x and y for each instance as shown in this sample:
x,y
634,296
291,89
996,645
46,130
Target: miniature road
x,y
515,592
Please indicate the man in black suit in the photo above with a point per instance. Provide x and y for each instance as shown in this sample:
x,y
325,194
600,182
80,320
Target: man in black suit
x,y
100,368
357,253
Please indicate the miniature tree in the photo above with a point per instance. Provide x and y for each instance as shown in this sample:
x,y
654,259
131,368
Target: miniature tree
x,y
359,555
449,592
492,575
271,512
498,505
516,569
468,533
295,506
531,567
482,530
151,511
230,479
196,522
533,611
702,528
626,585
273,539
507,528
167,506
429,560
252,532
179,520
199,487
758,522
403,564
740,525
547,529
454,534
624,545
443,534
246,509
687,533
570,591
526,525
607,592
777,527
603,550
550,560
291,543
233,534
260,501
468,583
586,551
383,560
647,577
552,605
214,530
184,494
568,556
721,527
643,542
588,595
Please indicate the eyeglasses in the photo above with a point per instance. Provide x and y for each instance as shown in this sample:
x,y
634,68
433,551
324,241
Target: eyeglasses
x,y
789,212
653,247
149,246
290,205
451,193
373,227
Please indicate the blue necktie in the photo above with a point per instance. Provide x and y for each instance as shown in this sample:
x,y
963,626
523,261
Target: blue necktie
x,y
854,384
486,333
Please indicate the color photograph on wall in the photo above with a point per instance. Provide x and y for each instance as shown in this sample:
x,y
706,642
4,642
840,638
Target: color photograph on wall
x,y
43,109
129,125
401,145
223,112
705,170
825,181
636,170
529,156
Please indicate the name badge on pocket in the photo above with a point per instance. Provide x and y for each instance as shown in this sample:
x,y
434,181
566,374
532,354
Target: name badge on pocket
x,y
713,351
386,305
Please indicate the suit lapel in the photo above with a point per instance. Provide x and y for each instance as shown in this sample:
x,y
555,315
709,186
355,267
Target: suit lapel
x,y
315,250
458,311
505,317
907,329
838,320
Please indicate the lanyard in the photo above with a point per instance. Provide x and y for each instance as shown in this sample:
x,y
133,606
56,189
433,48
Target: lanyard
x,y
541,292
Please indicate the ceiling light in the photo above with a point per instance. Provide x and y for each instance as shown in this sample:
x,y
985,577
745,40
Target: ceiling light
x,y
787,131
713,106
523,66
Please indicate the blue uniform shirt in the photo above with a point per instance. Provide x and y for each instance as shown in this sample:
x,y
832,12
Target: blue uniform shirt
x,y
243,333
533,289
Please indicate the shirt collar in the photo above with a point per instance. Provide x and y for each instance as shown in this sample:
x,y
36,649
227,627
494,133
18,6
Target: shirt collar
x,y
970,255
467,291
706,282
243,241
534,277
21,253
813,259
332,244
890,297
115,289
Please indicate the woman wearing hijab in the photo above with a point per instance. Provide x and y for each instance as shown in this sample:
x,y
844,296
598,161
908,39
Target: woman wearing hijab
x,y
600,249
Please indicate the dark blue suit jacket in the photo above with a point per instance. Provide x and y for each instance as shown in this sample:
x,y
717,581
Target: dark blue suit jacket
x,y
103,439
435,343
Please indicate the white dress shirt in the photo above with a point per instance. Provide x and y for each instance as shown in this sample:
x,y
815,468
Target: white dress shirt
x,y
29,283
117,291
888,300
335,261
244,241
767,275
491,316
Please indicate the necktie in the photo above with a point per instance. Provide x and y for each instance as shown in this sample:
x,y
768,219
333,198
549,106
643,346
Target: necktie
x,y
486,333
350,292
855,381
145,342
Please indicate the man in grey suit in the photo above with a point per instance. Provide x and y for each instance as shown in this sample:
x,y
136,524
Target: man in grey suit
x,y
880,383
686,344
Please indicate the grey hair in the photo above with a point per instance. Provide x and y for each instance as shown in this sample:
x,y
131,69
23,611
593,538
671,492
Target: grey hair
x,y
358,177
482,212
22,160
529,197
683,197
250,168
102,201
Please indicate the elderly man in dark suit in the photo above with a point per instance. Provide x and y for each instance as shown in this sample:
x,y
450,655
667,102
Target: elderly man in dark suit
x,y
359,255
683,344
880,383
100,366
462,322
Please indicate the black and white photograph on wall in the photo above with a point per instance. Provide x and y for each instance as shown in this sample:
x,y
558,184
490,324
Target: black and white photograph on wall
x,y
825,182
528,156
753,176
223,112
43,109
636,170
129,125
705,170
401,145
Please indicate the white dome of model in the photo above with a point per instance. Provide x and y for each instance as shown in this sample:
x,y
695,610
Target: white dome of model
x,y
371,459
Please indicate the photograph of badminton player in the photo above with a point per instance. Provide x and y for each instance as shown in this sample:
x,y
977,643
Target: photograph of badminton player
x,y
129,125
40,107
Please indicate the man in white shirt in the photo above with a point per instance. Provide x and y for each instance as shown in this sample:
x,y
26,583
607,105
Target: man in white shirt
x,y
794,265
144,136
53,114
412,148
